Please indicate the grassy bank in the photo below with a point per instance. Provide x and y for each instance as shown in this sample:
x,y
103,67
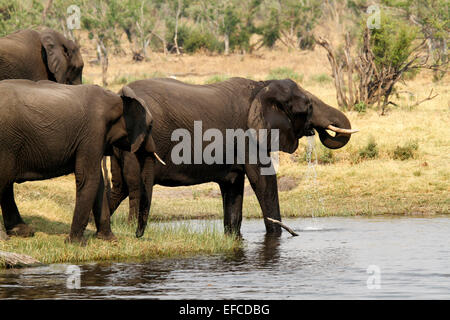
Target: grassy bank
x,y
48,209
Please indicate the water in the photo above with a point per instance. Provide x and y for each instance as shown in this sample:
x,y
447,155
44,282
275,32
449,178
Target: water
x,y
313,199
327,261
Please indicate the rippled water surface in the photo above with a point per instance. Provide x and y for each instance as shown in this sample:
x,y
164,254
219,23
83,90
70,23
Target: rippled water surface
x,y
333,258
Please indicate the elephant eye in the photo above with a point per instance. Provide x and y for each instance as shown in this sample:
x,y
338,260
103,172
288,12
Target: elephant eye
x,y
66,52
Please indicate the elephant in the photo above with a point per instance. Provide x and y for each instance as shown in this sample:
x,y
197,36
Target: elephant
x,y
40,55
236,104
51,129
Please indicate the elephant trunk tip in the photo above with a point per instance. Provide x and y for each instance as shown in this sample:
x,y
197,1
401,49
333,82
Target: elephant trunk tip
x,y
139,233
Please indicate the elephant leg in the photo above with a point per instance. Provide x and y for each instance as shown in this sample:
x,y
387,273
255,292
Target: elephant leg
x,y
101,212
265,188
87,181
147,177
119,191
134,200
13,221
232,198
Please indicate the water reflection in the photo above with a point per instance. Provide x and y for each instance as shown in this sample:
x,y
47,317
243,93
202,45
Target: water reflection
x,y
269,252
329,260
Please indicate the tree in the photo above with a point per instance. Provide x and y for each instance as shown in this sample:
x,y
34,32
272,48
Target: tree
x,y
229,21
16,15
100,18
433,19
290,21
299,18
385,55
139,19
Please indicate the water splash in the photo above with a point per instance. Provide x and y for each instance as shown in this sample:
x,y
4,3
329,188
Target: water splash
x,y
314,202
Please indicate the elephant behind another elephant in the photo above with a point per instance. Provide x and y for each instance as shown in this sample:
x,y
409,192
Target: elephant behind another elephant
x,y
40,55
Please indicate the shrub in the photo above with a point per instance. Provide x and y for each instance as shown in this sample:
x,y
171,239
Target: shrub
x,y
408,151
370,151
183,33
360,107
198,40
307,42
325,156
284,73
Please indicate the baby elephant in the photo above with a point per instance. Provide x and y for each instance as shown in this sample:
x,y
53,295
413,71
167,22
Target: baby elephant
x,y
49,130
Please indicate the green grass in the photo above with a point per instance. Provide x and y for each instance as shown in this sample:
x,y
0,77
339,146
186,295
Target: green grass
x,y
48,208
321,78
284,73
160,240
217,78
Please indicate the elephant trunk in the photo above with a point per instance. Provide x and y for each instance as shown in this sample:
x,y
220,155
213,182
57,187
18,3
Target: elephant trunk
x,y
325,118
147,177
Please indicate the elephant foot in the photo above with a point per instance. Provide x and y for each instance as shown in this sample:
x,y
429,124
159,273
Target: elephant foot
x,y
76,240
106,236
21,230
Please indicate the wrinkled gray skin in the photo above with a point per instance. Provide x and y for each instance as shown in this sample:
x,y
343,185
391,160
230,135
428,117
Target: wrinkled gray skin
x,y
40,55
233,104
50,130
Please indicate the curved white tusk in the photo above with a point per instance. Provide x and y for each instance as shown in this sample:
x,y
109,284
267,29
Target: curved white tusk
x,y
158,158
340,130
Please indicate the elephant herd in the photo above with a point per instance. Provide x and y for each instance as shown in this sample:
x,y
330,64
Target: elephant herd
x,y
53,125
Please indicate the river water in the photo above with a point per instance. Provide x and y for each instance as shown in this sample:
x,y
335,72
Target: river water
x,y
333,258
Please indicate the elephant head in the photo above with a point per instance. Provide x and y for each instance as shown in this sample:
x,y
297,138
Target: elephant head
x,y
62,56
283,105
132,124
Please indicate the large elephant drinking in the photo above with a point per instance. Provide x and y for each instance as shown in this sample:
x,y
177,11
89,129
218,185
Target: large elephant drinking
x,y
40,55
49,130
236,104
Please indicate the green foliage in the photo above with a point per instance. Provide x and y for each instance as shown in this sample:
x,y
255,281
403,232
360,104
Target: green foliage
x,y
183,34
294,20
433,19
360,107
216,25
271,30
392,43
325,155
405,152
284,73
197,40
16,15
369,151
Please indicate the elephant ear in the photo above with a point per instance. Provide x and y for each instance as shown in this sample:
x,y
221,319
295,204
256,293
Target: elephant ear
x,y
57,55
269,111
137,120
